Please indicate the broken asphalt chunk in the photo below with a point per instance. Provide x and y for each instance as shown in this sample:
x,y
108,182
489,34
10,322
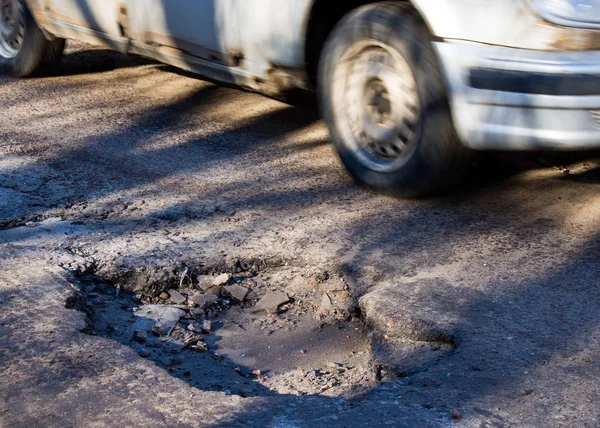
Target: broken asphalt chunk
x,y
204,301
139,336
195,327
204,282
161,329
326,304
144,353
163,314
237,292
221,279
271,302
176,297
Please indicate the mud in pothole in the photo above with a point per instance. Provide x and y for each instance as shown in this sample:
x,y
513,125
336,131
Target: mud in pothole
x,y
238,338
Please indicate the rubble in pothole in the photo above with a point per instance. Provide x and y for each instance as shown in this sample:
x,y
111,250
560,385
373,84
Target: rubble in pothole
x,y
283,330
321,295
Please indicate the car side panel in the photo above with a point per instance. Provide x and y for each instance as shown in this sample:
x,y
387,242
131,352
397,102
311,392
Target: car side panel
x,y
92,21
254,35
96,15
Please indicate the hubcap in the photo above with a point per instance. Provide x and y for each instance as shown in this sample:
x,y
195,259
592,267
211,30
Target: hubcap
x,y
377,106
12,27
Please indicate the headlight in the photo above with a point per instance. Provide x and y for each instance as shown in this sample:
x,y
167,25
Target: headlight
x,y
575,13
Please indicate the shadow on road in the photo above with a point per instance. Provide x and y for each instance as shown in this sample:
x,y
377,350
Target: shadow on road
x,y
513,313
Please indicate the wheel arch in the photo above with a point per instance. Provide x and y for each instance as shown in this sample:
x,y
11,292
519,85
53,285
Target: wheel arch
x,y
36,8
321,19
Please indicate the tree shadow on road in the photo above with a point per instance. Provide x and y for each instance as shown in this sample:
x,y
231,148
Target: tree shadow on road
x,y
404,241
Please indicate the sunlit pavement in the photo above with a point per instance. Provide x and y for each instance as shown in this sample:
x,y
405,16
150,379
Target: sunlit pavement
x,y
134,164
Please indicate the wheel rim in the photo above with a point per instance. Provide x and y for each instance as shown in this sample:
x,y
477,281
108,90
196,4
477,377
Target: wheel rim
x,y
12,27
377,106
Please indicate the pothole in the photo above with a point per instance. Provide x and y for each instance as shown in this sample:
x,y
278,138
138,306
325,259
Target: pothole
x,y
242,333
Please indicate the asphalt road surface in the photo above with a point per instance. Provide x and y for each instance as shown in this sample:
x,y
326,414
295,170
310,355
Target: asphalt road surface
x,y
480,307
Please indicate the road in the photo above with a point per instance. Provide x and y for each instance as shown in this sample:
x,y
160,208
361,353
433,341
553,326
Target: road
x,y
479,307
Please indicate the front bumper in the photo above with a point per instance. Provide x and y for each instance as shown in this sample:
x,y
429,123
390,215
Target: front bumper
x,y
513,99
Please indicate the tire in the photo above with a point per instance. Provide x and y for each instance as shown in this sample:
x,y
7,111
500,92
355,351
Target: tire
x,y
24,49
384,100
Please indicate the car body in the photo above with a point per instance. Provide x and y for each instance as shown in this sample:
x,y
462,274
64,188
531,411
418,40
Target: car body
x,y
518,74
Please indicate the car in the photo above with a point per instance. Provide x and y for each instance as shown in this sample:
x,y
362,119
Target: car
x,y
410,90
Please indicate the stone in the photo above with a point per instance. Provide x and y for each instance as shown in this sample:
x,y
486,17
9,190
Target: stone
x,y
321,276
204,301
164,296
195,327
271,302
161,329
221,279
249,283
237,292
193,340
171,361
197,314
144,353
176,297
326,304
139,336
163,314
204,282
215,290
199,346
455,414
206,326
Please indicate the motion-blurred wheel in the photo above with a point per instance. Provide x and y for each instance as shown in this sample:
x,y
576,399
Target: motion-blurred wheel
x,y
384,100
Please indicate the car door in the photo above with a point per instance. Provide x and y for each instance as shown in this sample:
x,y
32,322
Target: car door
x,y
251,34
191,26
97,15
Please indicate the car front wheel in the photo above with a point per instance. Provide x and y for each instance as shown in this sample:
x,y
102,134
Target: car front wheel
x,y
384,100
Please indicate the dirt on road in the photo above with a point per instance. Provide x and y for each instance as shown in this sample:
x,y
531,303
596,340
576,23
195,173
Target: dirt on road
x,y
174,252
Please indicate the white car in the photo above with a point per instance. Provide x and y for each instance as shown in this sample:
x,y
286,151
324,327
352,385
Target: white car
x,y
407,88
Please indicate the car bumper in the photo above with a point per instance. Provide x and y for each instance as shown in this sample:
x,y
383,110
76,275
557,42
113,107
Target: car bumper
x,y
513,99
